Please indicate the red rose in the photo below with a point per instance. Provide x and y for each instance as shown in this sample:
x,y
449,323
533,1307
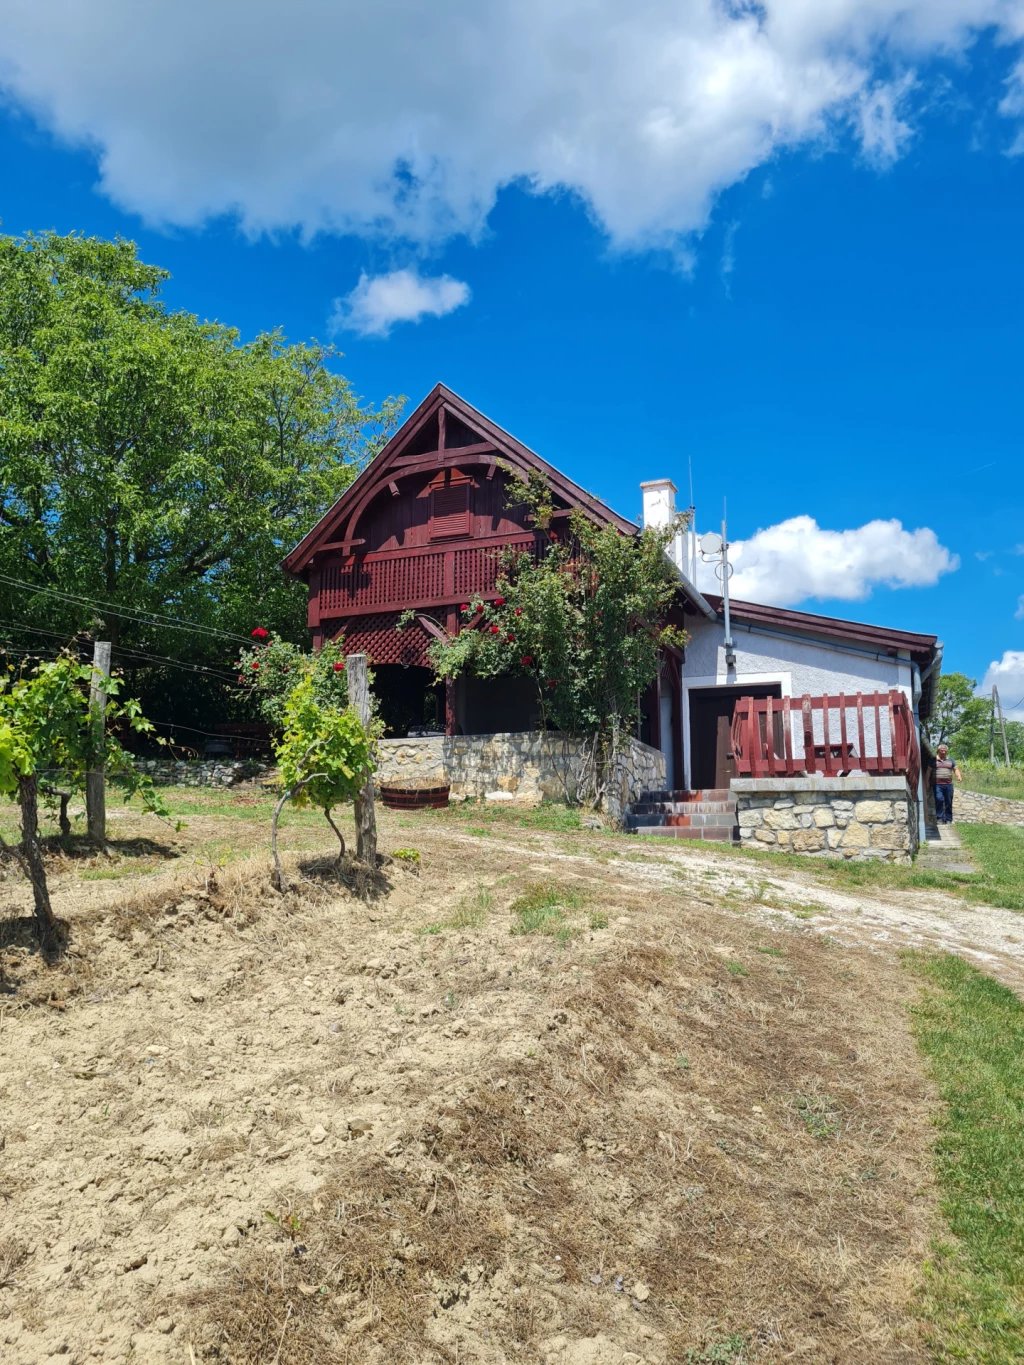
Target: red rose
x,y
526,660
495,630
255,666
519,611
338,667
241,678
509,638
260,634
552,683
464,607
499,601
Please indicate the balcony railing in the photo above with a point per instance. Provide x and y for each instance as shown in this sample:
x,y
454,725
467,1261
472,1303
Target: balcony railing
x,y
797,736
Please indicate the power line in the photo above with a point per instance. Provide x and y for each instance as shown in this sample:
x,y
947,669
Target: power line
x,y
124,649
146,619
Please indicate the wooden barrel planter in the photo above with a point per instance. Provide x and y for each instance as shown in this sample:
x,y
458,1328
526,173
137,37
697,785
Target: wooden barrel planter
x,y
414,798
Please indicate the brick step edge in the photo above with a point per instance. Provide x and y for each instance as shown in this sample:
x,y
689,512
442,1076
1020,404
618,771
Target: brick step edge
x,y
725,821
683,807
711,834
685,794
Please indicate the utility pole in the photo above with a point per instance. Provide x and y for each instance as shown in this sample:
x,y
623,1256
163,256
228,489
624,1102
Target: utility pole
x,y
998,706
95,791
366,819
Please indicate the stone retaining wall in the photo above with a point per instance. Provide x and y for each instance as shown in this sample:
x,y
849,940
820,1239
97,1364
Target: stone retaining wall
x,y
200,772
976,808
857,817
528,766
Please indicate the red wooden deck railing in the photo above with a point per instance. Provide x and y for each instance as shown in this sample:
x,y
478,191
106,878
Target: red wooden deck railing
x,y
870,733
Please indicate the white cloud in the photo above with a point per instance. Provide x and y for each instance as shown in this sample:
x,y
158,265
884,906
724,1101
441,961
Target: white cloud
x,y
379,301
1007,674
399,118
796,560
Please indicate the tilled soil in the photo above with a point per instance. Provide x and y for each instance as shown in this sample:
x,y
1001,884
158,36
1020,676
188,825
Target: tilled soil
x,y
314,1128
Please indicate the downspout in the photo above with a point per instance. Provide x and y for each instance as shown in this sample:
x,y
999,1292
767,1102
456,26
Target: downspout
x,y
918,691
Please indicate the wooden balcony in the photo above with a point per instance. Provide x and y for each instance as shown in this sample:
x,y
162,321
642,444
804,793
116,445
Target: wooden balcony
x,y
411,579
798,736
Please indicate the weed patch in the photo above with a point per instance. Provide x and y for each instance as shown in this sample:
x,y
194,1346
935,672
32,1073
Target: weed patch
x,y
819,1115
543,907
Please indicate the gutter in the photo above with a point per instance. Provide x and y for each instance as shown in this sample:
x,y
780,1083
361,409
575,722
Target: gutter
x,y
691,592
832,644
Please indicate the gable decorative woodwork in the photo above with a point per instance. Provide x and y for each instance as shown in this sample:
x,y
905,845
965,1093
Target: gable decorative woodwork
x,y
423,527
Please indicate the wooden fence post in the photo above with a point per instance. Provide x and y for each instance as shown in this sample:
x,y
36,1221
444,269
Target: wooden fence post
x,y
366,819
95,792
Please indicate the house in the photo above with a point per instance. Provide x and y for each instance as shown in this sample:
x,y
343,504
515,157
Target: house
x,y
419,533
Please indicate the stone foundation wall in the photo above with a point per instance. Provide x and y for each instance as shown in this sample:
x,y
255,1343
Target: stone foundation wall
x,y
528,766
857,817
975,808
200,772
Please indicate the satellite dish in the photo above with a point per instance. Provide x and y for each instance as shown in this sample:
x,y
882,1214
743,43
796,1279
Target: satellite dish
x,y
711,543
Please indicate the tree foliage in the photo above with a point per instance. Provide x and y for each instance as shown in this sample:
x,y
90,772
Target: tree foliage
x,y
46,732
584,623
959,718
155,462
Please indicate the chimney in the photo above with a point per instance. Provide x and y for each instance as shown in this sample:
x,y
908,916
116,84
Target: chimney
x,y
660,510
659,502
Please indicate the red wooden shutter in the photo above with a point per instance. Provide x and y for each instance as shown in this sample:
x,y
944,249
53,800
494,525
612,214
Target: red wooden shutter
x,y
449,512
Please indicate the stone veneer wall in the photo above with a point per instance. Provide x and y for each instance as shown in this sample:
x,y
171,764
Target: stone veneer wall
x,y
857,817
977,808
200,772
528,766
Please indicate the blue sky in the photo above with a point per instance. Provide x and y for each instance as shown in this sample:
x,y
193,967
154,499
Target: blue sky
x,y
825,319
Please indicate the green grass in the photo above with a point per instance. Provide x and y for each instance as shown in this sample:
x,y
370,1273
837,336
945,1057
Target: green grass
x,y
477,817
984,777
972,1031
541,909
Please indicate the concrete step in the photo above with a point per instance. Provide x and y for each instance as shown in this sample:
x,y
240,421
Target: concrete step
x,y
683,794
711,833
716,820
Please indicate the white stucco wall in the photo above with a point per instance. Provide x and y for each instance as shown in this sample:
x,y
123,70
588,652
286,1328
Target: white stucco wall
x,y
798,666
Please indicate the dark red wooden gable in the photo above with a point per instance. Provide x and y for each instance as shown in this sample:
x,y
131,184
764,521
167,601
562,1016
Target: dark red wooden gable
x,y
422,529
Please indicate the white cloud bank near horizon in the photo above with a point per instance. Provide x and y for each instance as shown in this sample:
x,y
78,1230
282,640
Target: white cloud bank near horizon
x,y
1007,674
796,559
399,119
379,301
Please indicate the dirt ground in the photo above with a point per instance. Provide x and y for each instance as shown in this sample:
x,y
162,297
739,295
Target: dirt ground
x,y
680,1119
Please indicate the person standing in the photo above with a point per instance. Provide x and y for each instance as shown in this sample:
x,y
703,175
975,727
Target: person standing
x,y
944,771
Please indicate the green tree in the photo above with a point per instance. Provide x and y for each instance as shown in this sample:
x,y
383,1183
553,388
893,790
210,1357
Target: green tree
x,y
958,717
46,732
325,757
154,462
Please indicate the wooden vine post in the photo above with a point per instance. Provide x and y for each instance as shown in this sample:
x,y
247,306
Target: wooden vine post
x,y
95,790
366,819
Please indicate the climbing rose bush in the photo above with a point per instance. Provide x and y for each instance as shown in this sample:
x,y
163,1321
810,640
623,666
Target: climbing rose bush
x,y
272,668
585,624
